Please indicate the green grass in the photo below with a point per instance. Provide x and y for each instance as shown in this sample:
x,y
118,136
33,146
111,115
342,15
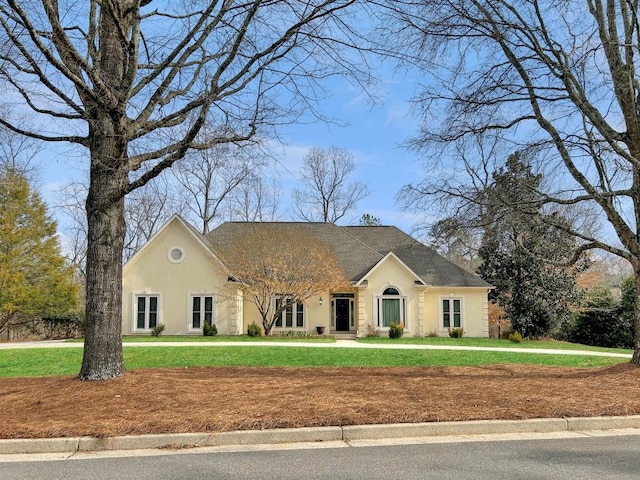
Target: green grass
x,y
490,342
66,361
219,338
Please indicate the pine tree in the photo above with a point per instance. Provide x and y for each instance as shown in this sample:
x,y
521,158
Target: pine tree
x,y
34,278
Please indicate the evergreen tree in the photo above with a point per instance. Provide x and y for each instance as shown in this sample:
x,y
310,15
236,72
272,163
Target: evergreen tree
x,y
368,220
521,248
34,279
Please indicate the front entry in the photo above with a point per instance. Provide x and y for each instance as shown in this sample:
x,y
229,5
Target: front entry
x,y
343,314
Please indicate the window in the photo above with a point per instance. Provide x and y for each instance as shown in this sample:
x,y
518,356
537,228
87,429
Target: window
x,y
201,311
175,255
451,312
146,312
292,316
391,308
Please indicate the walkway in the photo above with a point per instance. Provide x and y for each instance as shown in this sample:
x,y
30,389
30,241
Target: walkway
x,y
337,344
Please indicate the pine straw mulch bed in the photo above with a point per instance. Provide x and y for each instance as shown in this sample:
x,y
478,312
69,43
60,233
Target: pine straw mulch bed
x,y
225,398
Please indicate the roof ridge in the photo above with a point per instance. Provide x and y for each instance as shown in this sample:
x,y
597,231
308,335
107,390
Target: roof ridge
x,y
343,228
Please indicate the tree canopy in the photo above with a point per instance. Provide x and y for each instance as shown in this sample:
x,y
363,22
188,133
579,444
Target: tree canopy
x,y
327,194
560,75
523,256
133,83
34,278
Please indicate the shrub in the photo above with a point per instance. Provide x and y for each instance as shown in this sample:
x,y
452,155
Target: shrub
x,y
604,321
396,330
432,334
254,330
295,333
372,331
456,332
602,327
157,330
209,330
515,337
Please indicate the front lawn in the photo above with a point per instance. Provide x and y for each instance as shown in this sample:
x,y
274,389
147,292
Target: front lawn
x,y
66,361
490,342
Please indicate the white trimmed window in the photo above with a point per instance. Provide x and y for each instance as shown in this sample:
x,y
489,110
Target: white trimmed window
x,y
292,316
391,307
146,311
451,313
201,311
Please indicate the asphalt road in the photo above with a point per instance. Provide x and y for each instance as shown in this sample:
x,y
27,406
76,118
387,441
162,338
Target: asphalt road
x,y
597,458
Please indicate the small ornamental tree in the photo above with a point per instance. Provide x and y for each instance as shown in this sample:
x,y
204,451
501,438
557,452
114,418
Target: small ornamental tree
x,y
284,260
34,279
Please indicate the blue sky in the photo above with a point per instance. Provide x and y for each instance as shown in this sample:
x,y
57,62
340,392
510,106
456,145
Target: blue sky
x,y
373,131
374,134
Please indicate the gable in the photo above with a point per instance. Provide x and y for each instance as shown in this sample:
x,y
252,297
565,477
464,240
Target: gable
x,y
177,244
431,267
391,270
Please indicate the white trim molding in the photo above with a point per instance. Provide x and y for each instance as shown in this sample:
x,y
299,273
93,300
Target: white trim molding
x,y
148,312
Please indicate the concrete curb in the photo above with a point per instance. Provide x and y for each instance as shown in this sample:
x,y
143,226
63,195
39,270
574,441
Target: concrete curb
x,y
315,434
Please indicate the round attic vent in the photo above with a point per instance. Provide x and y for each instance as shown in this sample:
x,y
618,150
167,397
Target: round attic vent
x,y
176,255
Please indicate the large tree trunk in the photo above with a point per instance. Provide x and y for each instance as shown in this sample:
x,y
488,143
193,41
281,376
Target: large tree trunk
x,y
106,230
108,180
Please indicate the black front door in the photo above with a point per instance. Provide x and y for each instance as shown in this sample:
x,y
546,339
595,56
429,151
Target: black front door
x,y
342,314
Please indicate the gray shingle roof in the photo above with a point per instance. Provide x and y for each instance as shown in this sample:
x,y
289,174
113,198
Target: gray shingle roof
x,y
431,267
359,249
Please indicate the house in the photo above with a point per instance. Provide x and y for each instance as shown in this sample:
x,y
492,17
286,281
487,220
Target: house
x,y
177,279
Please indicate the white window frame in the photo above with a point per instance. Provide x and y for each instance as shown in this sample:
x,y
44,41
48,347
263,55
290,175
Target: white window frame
x,y
134,317
450,299
378,308
294,315
202,296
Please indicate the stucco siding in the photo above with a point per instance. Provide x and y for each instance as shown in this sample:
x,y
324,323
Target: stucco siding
x,y
151,272
475,319
391,273
155,279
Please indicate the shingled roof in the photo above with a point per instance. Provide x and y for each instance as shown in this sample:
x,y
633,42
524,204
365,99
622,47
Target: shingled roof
x,y
432,268
359,249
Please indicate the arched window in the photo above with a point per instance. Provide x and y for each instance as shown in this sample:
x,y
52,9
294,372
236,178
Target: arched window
x,y
391,308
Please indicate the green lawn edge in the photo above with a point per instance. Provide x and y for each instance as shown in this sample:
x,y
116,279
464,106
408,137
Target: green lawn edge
x,y
39,362
491,342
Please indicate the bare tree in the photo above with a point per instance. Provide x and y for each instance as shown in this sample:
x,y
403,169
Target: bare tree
x,y
327,196
146,210
207,179
73,224
17,153
560,75
255,201
280,260
134,82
